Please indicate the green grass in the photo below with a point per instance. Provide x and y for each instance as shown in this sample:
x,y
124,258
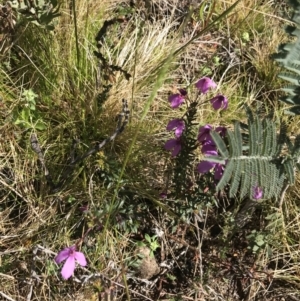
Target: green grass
x,y
122,183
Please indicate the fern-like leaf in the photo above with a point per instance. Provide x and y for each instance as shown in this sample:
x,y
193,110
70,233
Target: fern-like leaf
x,y
255,162
289,57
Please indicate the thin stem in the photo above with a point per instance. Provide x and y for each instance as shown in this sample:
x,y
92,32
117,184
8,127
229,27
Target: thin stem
x,y
76,33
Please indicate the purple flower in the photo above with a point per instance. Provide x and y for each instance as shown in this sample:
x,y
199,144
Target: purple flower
x,y
221,130
209,149
205,166
176,100
175,145
182,92
178,125
163,195
204,133
204,84
219,101
219,168
257,193
70,255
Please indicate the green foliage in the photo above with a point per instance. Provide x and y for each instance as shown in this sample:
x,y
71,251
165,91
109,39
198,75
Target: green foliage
x,y
266,238
289,57
245,37
257,159
28,116
39,12
189,193
184,163
152,243
258,240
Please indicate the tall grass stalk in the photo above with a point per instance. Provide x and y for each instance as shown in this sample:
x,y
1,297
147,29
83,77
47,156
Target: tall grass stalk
x,y
76,33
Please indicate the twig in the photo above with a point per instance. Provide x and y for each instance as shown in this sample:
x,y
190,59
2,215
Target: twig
x,y
29,295
282,196
99,39
37,149
7,276
122,122
7,297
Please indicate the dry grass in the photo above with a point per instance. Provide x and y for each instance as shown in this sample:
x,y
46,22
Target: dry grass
x,y
31,215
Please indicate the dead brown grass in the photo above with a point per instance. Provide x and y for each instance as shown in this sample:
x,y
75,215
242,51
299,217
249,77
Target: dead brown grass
x,y
35,223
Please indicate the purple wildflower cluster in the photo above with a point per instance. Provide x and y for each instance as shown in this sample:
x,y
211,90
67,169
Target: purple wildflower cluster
x,y
204,84
178,125
208,147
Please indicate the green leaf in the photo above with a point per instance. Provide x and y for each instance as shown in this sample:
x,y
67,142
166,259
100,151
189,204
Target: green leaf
x,y
148,238
40,125
257,164
220,144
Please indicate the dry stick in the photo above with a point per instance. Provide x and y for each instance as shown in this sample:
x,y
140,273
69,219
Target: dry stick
x,y
122,122
100,39
7,276
7,297
120,128
37,149
283,195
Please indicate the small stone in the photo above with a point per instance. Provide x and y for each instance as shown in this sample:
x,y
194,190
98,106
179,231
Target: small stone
x,y
148,266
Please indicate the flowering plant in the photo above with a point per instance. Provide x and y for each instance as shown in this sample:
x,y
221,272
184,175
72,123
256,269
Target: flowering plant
x,y
71,256
188,138
179,124
245,162
182,127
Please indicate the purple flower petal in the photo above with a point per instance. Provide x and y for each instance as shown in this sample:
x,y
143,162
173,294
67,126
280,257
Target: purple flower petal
x,y
219,101
209,149
219,168
178,132
204,84
170,144
173,124
204,133
163,195
70,255
176,150
174,144
79,256
221,130
205,166
64,254
176,100
178,125
68,268
257,193
183,92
